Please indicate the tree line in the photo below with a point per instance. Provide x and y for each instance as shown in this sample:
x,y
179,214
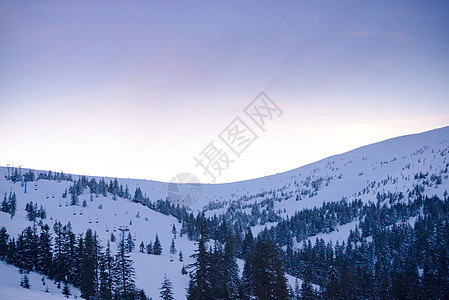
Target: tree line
x,y
67,258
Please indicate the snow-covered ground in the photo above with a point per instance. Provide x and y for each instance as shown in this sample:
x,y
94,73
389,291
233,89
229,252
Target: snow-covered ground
x,y
383,167
10,286
150,269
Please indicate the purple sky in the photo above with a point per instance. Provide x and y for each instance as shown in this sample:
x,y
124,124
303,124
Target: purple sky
x,y
138,88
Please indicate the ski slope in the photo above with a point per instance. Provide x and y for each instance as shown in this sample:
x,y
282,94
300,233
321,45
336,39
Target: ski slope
x,y
10,286
383,167
150,269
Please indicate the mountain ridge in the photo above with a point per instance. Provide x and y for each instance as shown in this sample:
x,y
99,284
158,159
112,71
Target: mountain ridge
x,y
362,175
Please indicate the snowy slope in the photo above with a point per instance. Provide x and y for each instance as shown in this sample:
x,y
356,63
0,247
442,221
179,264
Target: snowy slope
x,y
388,166
383,167
10,286
150,269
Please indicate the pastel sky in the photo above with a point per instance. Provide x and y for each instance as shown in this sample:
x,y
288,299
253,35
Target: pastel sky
x,y
139,88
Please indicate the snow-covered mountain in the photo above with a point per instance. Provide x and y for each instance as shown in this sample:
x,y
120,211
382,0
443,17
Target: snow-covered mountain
x,y
391,166
396,165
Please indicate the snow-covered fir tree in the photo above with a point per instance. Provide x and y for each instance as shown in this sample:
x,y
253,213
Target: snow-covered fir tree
x,y
166,289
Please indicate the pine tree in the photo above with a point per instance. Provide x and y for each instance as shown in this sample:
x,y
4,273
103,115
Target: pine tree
x,y
142,247
12,205
27,249
138,196
200,276
150,248
183,270
73,197
21,261
88,268
297,291
41,213
307,291
31,211
66,290
73,256
11,253
157,247
247,286
230,271
140,295
127,194
123,274
4,206
166,289
4,237
45,251
172,247
106,268
130,243
174,231
248,243
60,259
25,283
247,277
217,271
267,272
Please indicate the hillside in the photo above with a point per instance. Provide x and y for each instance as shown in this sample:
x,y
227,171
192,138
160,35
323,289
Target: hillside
x,y
387,172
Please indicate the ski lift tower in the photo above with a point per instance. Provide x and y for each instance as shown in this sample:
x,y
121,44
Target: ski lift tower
x,y
25,178
123,229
